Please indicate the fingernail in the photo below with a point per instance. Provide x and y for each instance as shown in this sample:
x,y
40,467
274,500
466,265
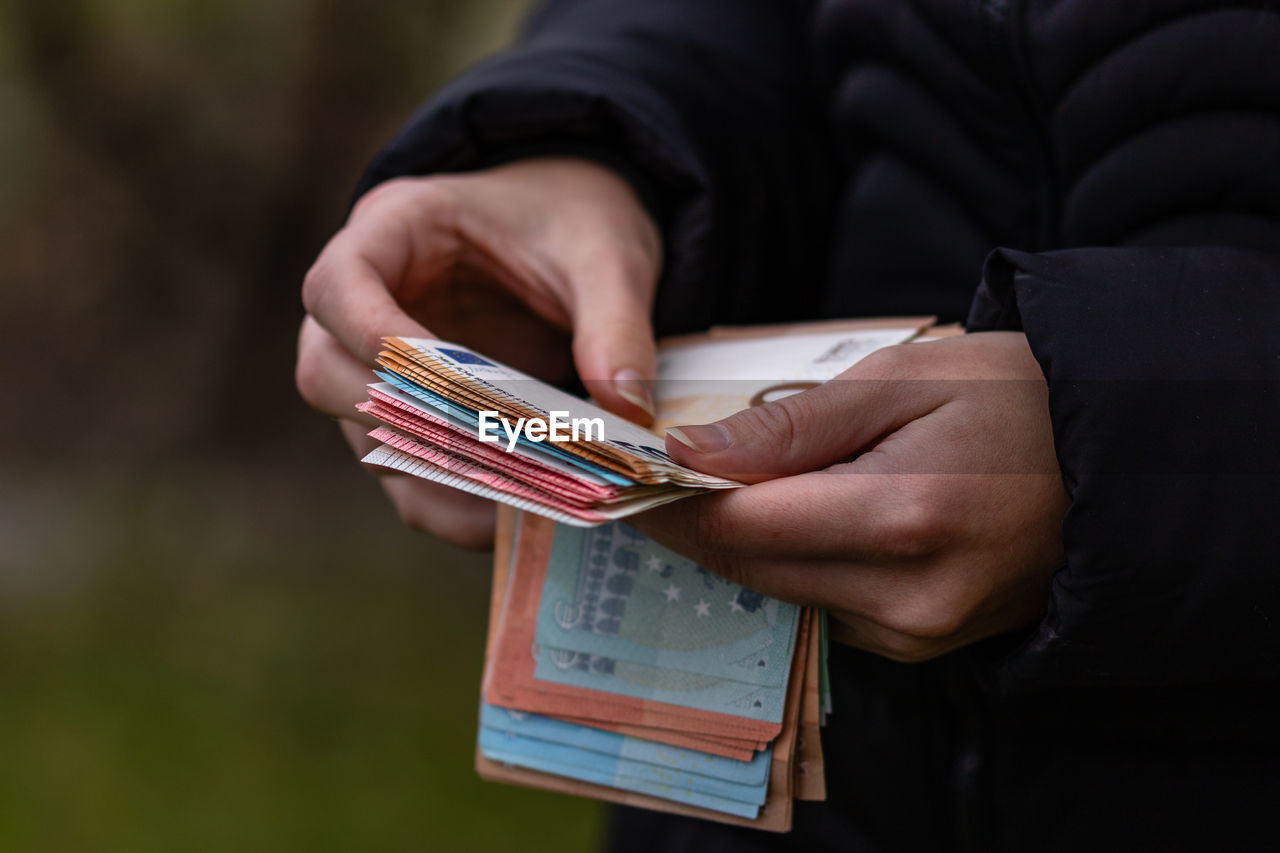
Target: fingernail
x,y
631,387
710,438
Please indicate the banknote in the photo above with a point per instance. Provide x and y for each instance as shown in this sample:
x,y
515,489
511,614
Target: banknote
x,y
810,770
511,679
516,474
641,771
612,594
724,747
540,485
434,438
459,373
466,421
461,473
396,409
703,378
655,684
749,706
549,758
752,773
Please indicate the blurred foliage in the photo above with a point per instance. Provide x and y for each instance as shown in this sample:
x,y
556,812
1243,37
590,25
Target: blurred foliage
x,y
213,633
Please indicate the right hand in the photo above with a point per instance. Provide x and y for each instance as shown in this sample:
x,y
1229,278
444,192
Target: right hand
x,y
546,264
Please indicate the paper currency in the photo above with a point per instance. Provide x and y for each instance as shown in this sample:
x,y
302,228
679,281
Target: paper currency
x,y
522,676
750,773
551,740
564,761
482,385
613,594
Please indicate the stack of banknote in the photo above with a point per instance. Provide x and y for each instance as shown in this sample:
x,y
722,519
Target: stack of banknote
x,y
616,668
620,670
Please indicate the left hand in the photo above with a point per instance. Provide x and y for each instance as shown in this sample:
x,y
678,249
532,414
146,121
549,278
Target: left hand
x,y
916,496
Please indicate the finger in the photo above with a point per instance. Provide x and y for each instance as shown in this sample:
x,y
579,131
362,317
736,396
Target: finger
x,y
613,346
890,604
329,379
842,514
462,519
851,629
395,242
803,432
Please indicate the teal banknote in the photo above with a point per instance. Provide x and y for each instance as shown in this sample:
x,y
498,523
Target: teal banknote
x,y
610,592
592,767
753,773
673,686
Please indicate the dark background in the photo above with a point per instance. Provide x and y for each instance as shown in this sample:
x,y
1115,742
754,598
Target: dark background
x,y
213,633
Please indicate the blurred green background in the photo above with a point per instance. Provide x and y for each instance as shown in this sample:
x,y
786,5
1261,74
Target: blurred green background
x,y
214,635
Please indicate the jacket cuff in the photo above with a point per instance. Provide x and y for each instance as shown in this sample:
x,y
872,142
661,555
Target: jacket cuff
x,y
1163,368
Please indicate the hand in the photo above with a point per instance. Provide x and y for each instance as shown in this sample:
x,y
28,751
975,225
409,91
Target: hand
x,y
545,264
917,496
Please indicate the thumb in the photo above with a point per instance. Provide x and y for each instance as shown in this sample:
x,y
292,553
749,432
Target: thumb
x,y
613,346
803,432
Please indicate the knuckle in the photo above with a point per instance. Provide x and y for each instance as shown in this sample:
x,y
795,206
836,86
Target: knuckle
x,y
916,529
433,198
732,569
912,650
381,194
315,284
309,374
895,645
776,423
708,531
609,272
926,616
637,264
888,363
309,380
436,195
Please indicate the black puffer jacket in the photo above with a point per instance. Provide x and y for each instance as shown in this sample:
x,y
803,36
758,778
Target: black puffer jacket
x,y
1103,175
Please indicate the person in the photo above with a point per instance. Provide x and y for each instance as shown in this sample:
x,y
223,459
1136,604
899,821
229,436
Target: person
x,y
1053,556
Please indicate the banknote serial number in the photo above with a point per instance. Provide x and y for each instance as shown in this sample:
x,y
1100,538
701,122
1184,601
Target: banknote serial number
x,y
557,426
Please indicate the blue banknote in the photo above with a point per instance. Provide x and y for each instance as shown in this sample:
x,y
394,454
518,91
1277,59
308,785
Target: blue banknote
x,y
612,593
601,770
653,774
752,773
673,686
